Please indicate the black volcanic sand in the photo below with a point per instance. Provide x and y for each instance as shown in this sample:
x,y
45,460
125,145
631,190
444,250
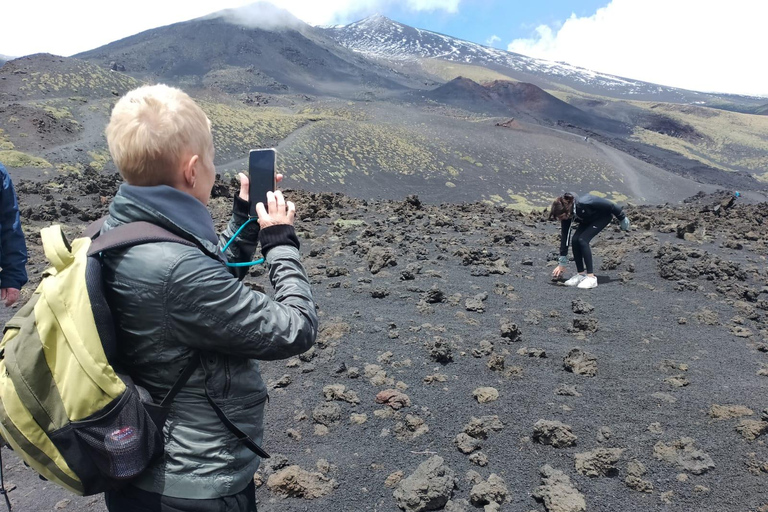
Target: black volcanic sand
x,y
680,319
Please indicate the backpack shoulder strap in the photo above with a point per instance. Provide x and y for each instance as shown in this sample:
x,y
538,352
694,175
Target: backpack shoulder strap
x,y
134,233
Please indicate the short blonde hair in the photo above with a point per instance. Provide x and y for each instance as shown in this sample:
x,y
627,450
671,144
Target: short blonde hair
x,y
150,131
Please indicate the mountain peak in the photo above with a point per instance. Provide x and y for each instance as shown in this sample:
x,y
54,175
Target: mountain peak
x,y
263,15
374,22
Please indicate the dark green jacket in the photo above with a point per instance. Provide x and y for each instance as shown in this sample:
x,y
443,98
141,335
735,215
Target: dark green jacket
x,y
170,301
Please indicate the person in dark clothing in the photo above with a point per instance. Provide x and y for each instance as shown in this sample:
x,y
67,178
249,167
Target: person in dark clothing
x,y
13,247
593,214
172,303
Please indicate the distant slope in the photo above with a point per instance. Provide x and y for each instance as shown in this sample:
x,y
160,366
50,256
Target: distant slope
x,y
523,100
214,51
45,76
384,38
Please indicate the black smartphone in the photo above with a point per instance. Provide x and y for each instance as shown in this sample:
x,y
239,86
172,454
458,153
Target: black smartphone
x,y
261,173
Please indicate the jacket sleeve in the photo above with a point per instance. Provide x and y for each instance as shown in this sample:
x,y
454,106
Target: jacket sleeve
x,y
565,227
243,247
208,309
13,247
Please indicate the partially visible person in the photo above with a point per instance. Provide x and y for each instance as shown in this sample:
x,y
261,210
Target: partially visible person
x,y
13,247
172,302
593,214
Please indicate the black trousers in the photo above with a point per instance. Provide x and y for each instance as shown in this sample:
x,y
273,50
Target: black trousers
x,y
132,499
584,234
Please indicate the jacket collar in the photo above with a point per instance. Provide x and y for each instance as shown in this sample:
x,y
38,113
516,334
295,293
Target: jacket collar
x,y
169,208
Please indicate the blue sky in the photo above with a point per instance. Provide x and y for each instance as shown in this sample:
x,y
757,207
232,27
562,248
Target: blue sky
x,y
478,20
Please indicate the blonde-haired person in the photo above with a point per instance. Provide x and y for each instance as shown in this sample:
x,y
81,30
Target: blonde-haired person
x,y
593,214
172,302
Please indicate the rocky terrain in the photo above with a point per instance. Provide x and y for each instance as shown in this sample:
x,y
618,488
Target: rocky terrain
x,y
451,373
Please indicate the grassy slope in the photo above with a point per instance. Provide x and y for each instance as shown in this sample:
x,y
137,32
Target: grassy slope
x,y
732,140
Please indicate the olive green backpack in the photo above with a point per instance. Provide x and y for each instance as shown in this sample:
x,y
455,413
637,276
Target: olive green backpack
x,y
64,408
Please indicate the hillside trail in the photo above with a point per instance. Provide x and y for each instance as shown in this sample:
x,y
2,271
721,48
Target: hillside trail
x,y
92,135
617,158
240,163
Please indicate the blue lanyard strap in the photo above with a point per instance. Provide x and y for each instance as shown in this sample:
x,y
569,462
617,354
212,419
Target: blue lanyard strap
x,y
226,246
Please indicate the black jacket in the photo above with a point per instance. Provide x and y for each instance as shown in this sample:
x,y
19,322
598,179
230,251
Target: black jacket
x,y
171,301
587,209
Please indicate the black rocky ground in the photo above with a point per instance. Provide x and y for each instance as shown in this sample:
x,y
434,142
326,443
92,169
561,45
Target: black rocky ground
x,y
451,372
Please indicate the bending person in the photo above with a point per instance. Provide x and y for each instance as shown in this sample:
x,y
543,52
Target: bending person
x,y
593,214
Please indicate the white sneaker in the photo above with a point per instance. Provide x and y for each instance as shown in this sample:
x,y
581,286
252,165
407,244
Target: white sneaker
x,y
588,282
575,280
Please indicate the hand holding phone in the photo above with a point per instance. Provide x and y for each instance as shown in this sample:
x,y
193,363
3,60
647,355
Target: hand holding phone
x,y
276,211
261,176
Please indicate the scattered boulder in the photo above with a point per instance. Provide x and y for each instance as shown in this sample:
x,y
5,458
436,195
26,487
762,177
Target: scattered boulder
x,y
380,292
553,433
635,470
726,412
485,348
336,271
581,307
480,427
580,362
434,296
479,459
598,462
379,258
532,352
558,493
476,303
486,394
496,363
328,413
682,453
466,443
751,429
340,392
565,390
296,482
393,398
510,331
428,488
411,428
492,491
584,325
440,350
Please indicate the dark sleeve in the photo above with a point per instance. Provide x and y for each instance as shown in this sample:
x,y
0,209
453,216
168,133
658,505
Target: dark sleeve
x,y
565,226
209,310
243,248
13,247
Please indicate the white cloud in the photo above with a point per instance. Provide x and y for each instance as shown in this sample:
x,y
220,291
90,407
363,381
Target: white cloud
x,y
66,28
492,40
707,46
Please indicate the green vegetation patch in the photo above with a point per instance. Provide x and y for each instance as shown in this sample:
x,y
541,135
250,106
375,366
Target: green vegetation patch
x,y
730,139
81,79
238,129
331,150
449,70
18,159
5,144
100,159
